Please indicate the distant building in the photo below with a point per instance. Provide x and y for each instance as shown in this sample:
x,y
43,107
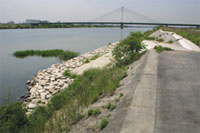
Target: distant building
x,y
34,21
11,22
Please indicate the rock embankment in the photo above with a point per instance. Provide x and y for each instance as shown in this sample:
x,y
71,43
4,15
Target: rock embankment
x,y
50,81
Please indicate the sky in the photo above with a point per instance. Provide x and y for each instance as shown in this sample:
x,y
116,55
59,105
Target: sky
x,y
173,11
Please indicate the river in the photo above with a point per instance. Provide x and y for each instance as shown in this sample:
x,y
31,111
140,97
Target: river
x,y
14,72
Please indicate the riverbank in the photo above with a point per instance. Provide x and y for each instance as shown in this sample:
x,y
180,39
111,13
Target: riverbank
x,y
45,26
50,81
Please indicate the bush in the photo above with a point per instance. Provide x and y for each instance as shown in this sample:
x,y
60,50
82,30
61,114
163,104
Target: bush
x,y
12,118
125,52
103,123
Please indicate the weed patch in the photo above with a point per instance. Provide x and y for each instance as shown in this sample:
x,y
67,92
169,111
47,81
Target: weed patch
x,y
159,49
95,112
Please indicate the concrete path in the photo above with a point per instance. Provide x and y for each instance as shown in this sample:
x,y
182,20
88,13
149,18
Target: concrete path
x,y
178,97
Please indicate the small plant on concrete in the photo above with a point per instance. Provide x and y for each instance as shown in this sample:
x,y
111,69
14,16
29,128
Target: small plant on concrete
x,y
90,112
86,61
170,42
160,40
121,95
95,57
117,99
103,123
159,49
109,115
111,106
95,112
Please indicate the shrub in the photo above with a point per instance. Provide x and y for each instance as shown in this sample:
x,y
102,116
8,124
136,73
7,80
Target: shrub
x,y
12,118
103,123
125,51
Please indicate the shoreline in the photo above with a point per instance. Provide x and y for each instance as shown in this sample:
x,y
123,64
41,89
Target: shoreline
x,y
50,81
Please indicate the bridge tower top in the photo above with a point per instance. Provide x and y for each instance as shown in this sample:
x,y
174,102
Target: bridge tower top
x,y
122,15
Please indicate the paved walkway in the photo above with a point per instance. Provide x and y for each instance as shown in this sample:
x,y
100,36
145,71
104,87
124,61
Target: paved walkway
x,y
178,97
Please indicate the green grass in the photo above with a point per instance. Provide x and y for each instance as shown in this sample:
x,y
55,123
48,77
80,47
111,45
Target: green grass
x,y
159,49
61,54
67,73
90,59
103,123
95,57
189,33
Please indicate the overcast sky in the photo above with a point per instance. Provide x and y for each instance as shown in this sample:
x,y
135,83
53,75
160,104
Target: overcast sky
x,y
181,11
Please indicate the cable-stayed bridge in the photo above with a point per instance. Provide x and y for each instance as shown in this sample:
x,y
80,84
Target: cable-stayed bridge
x,y
123,17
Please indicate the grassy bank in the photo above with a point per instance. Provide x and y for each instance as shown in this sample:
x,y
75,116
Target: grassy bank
x,y
65,108
61,54
189,33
